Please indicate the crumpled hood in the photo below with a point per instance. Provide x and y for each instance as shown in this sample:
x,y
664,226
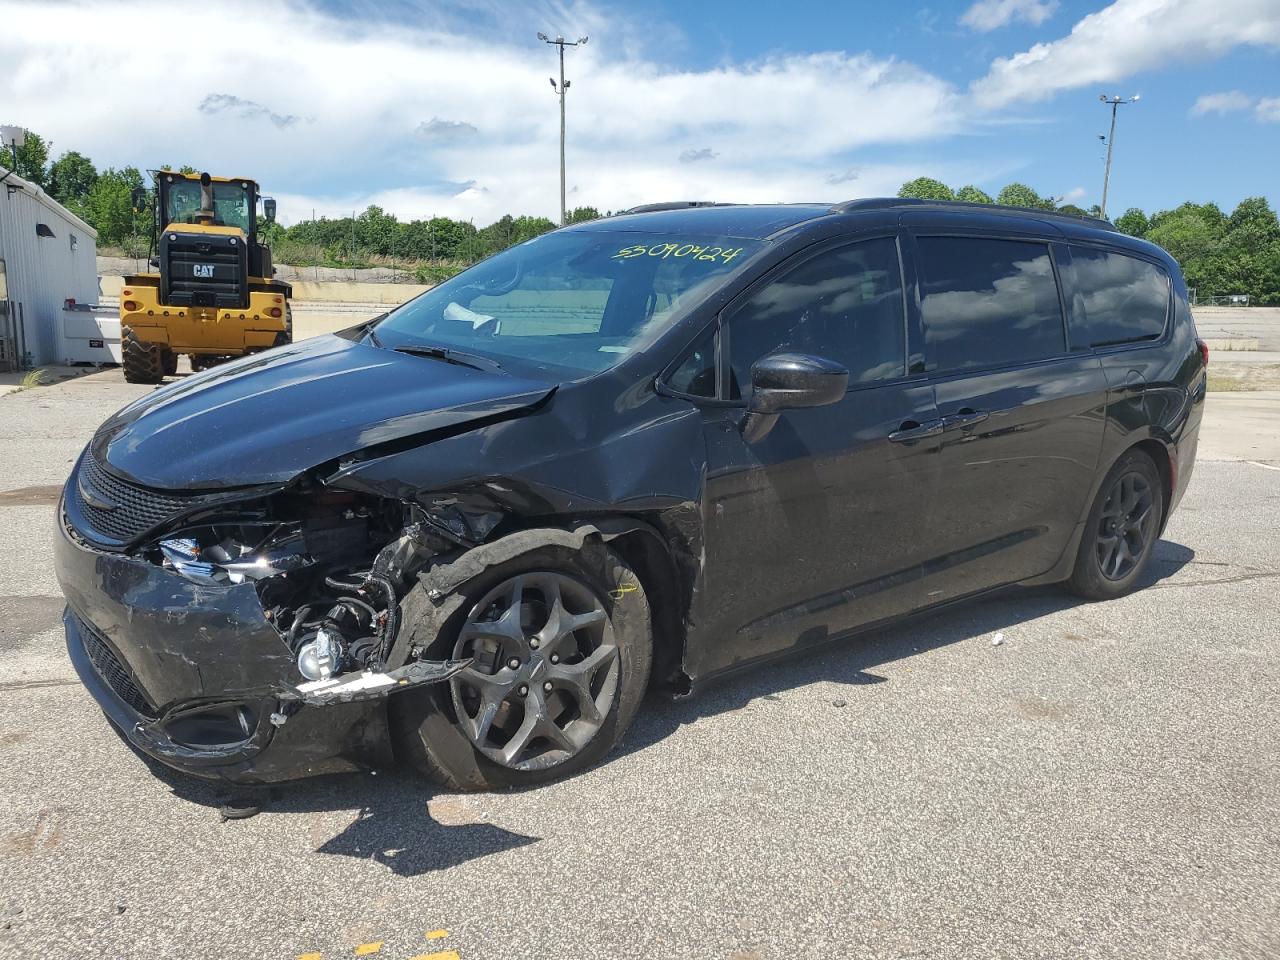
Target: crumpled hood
x,y
266,418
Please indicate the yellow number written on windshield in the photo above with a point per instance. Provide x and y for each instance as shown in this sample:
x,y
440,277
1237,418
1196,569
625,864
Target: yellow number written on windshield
x,y
692,251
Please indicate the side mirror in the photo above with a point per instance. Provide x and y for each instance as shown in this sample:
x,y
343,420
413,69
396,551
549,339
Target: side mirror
x,y
139,198
269,209
790,381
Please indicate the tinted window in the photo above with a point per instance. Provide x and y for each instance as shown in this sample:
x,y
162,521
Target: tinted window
x,y
845,305
988,302
1122,298
696,376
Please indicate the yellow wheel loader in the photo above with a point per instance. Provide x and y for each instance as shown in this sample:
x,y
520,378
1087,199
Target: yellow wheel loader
x,y
216,296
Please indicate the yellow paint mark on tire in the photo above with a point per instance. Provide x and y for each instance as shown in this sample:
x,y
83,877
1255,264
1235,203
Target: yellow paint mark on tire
x,y
436,934
367,948
441,955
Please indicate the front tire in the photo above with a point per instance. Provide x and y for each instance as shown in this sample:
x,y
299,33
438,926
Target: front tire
x,y
563,646
143,362
1120,534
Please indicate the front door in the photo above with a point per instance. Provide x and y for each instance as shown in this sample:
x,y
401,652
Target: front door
x,y
819,526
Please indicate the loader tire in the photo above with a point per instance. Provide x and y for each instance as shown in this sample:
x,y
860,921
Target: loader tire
x,y
142,361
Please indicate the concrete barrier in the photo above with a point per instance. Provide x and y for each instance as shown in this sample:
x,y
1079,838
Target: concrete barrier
x,y
323,291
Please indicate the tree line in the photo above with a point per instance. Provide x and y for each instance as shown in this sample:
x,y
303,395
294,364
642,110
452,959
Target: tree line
x,y
429,249
1220,254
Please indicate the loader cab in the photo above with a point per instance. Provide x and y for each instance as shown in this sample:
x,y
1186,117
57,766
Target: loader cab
x,y
208,246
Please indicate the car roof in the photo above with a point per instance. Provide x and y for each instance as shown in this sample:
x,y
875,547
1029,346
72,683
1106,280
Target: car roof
x,y
748,221
763,221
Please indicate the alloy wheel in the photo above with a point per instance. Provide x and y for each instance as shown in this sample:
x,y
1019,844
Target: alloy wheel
x,y
545,674
1126,525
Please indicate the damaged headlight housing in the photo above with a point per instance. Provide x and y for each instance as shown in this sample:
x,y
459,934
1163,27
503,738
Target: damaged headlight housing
x,y
229,560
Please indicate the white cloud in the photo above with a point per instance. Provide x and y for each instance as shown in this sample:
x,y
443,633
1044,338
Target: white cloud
x,y
988,15
1265,109
1230,101
395,113
454,116
1128,37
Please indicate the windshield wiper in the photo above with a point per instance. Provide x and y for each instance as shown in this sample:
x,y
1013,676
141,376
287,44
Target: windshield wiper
x,y
449,355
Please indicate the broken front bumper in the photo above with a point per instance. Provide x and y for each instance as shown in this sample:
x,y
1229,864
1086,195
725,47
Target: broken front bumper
x,y
197,677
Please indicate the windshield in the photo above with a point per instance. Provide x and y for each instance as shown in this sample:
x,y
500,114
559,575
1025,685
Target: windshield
x,y
230,204
567,303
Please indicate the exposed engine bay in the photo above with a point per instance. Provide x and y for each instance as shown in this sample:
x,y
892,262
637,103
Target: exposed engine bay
x,y
330,568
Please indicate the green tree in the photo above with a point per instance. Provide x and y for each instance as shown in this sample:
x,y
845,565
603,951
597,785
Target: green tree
x,y
1020,195
110,210
583,214
1074,210
1133,222
378,232
926,188
32,159
71,178
971,194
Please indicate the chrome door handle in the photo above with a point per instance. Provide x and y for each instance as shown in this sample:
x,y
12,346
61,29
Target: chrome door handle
x,y
911,430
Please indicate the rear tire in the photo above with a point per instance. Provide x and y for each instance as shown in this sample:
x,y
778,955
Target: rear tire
x,y
142,361
169,362
428,730
1121,531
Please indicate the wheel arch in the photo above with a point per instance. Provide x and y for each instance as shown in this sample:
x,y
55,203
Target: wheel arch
x,y
1158,451
640,544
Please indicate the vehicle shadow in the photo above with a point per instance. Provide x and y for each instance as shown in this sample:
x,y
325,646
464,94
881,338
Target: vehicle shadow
x,y
404,823
392,825
851,659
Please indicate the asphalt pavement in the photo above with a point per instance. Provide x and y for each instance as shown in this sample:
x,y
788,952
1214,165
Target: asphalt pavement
x,y
1025,776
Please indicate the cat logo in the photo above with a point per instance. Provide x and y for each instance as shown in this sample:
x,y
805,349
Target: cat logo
x,y
203,271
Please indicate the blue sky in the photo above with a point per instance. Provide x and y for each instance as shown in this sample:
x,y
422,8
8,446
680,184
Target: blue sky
x,y
441,106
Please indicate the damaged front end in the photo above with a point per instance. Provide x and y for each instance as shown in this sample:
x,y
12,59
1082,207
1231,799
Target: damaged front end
x,y
273,615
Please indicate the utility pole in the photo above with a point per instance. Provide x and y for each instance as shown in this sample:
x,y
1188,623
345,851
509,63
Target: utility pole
x,y
561,42
1116,102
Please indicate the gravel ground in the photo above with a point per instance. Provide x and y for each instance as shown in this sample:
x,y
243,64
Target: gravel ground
x,y
1104,782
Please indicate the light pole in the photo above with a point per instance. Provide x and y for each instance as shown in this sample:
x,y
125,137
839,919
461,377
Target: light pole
x,y
561,42
1115,102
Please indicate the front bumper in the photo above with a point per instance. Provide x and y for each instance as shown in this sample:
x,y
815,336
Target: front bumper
x,y
193,674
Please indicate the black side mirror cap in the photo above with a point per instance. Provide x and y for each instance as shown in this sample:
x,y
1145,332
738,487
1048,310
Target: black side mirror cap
x,y
269,209
792,381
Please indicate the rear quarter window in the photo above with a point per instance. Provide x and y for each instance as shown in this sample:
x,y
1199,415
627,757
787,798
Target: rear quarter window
x,y
1119,299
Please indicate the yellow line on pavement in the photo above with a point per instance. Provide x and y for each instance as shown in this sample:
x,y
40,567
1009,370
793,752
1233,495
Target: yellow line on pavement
x,y
367,948
310,956
436,934
442,955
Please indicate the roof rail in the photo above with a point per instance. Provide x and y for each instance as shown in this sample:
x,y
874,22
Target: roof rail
x,y
674,205
887,203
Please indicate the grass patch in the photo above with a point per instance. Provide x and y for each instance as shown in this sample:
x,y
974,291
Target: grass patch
x,y
1223,384
33,379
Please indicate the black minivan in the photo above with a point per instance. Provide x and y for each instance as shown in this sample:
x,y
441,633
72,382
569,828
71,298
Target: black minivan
x,y
653,447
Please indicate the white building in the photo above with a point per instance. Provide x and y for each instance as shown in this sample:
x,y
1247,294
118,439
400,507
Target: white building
x,y
48,255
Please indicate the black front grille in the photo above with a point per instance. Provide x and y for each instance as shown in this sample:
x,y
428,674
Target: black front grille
x,y
205,270
121,511
110,669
